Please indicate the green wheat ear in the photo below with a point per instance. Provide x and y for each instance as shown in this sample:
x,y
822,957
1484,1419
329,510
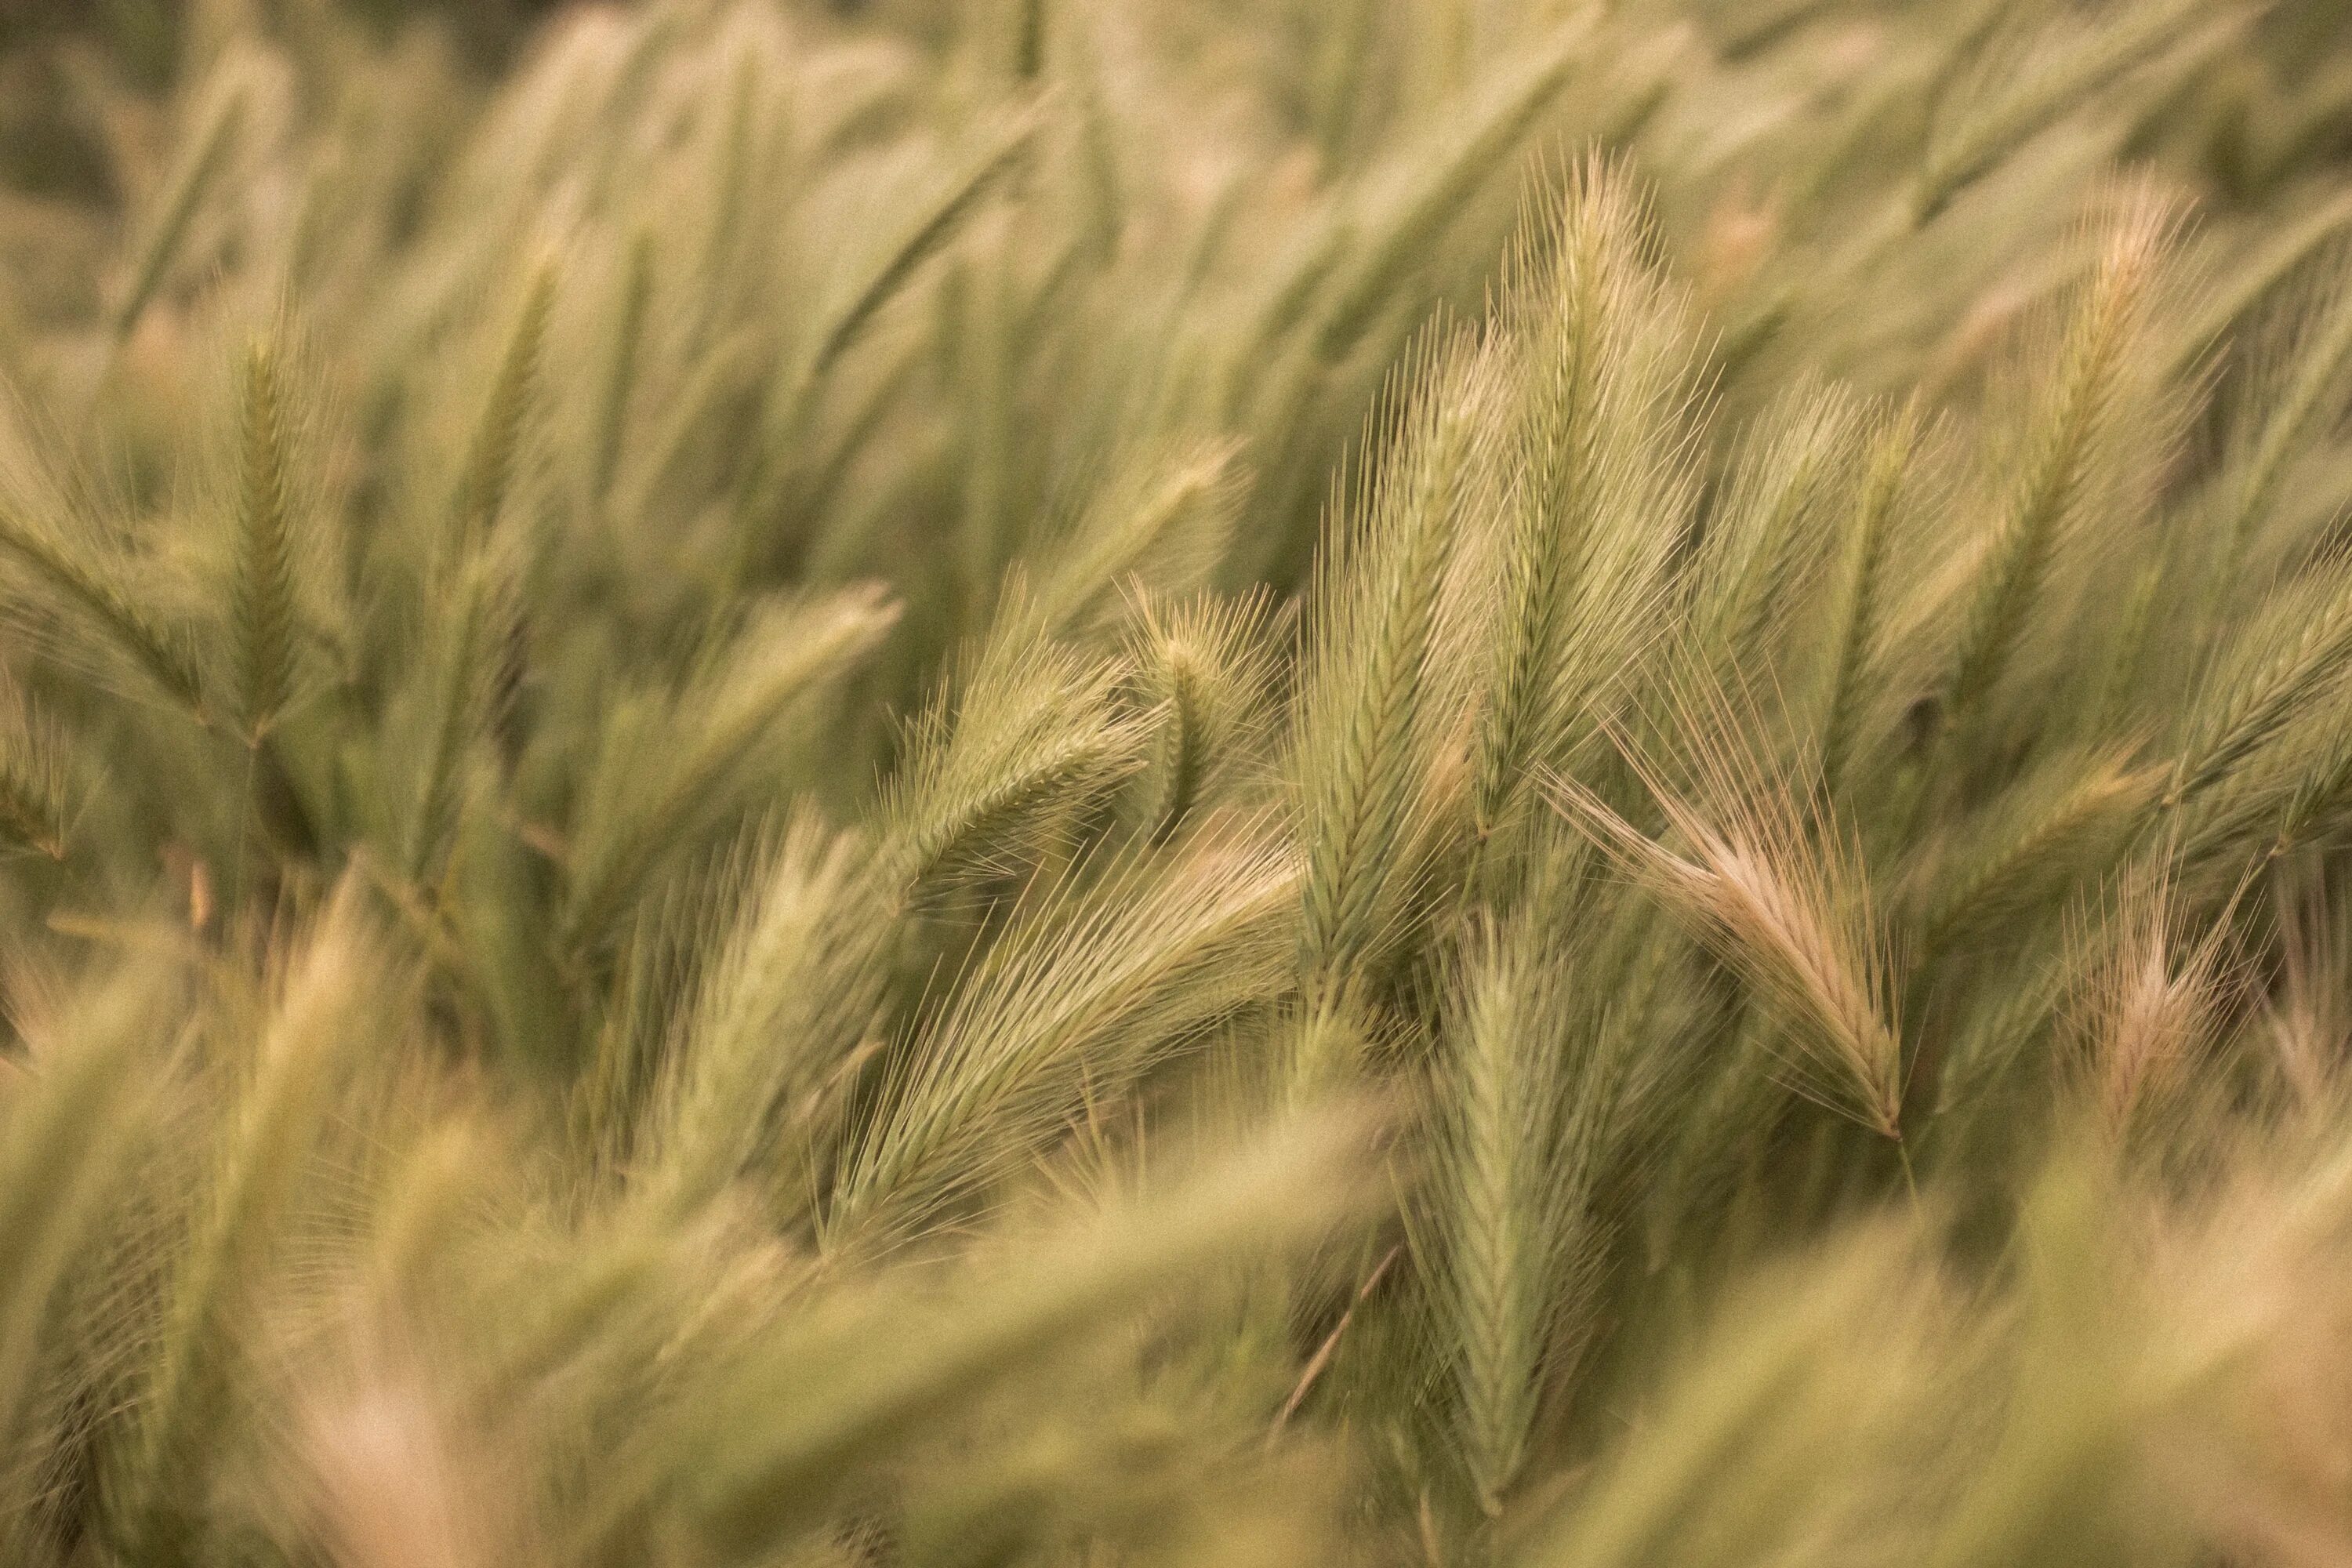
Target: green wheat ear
x,y
656,785
264,609
1205,666
1030,737
39,787
492,450
1526,1115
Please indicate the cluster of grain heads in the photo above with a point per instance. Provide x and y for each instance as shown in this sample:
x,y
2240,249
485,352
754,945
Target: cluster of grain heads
x,y
1016,781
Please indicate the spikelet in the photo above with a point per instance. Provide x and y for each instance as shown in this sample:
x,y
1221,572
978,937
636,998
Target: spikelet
x,y
1524,1123
2279,669
1160,526
74,595
2060,449
654,788
1804,1377
265,607
622,367
2310,385
37,785
1767,878
2317,796
1085,994
495,446
1861,610
383,1481
2055,829
1203,665
1597,493
2150,1011
448,706
2306,1018
2253,275
1002,759
1433,188
86,1102
796,986
89,597
1377,658
157,1477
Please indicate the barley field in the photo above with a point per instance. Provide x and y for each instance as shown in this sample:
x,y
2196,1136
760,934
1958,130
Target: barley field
x,y
1452,783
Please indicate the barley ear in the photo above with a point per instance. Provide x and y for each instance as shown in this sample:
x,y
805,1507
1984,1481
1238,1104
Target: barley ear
x,y
263,606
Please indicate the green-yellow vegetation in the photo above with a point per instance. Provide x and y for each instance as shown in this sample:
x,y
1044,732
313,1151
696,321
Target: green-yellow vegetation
x,y
1528,783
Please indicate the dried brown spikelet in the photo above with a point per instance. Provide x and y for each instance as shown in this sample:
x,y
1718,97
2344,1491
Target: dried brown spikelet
x,y
2151,1013
1769,879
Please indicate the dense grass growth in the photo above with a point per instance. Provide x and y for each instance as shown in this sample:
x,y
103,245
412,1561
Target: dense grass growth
x,y
1132,781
